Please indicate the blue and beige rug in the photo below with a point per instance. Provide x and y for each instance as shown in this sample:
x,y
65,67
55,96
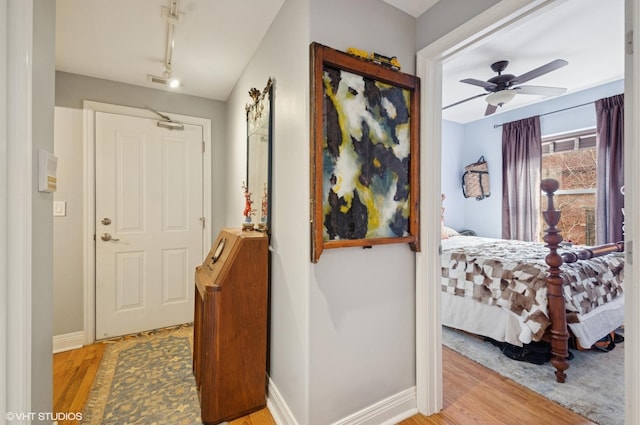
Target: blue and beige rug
x,y
146,379
595,380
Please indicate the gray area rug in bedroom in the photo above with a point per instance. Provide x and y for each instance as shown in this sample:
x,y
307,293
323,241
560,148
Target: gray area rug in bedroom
x,y
595,380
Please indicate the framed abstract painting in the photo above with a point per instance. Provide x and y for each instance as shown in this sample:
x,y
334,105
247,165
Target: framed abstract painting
x,y
364,153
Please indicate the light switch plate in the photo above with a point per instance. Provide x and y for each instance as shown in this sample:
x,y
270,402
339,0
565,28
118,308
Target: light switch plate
x,y
59,208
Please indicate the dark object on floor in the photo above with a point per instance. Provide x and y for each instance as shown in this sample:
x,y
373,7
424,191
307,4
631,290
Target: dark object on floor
x,y
604,344
537,352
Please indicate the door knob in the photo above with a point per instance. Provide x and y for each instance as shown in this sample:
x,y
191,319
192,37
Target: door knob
x,y
107,237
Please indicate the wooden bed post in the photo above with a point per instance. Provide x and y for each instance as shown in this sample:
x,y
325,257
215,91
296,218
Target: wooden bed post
x,y
557,313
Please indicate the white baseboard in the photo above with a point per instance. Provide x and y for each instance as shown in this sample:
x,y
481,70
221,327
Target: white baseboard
x,y
67,342
389,411
278,407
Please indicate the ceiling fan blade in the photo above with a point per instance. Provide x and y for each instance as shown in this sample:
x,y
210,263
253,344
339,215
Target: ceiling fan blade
x,y
534,73
484,84
541,90
490,109
465,100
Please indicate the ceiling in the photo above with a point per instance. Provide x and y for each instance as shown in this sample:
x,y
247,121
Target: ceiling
x,y
589,34
414,8
124,41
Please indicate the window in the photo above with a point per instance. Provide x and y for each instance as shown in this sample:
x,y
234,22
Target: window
x,y
571,159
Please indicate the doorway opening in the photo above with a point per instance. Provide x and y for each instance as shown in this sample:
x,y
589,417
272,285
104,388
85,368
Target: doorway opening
x,y
428,307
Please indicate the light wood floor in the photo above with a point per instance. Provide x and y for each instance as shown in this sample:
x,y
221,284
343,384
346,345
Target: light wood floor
x,y
472,394
476,395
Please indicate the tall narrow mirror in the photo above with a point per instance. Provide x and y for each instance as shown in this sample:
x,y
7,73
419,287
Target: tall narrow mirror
x,y
259,133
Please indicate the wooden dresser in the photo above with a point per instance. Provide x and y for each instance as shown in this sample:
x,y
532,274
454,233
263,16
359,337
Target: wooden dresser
x,y
230,326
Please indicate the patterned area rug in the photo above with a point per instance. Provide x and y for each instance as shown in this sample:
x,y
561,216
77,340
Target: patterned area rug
x,y
145,379
595,380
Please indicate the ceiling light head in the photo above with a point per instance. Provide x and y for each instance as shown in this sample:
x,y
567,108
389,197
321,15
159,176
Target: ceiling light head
x,y
157,79
166,79
172,82
501,97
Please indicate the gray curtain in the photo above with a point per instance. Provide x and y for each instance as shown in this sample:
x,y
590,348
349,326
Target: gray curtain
x,y
521,159
610,145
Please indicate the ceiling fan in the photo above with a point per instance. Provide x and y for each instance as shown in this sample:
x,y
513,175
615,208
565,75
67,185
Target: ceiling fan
x,y
503,87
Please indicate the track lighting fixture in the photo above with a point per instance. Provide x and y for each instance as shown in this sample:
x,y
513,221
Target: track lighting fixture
x,y
173,17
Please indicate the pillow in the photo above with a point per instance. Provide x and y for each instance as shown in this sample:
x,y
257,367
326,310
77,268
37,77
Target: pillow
x,y
443,232
449,231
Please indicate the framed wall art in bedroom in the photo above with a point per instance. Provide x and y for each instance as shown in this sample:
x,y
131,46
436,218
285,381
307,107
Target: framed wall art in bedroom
x,y
364,153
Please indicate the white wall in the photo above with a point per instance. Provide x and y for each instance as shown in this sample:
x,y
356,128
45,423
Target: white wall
x,y
43,84
4,206
70,92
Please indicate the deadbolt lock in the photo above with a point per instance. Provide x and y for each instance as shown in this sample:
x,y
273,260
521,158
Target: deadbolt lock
x,y
106,221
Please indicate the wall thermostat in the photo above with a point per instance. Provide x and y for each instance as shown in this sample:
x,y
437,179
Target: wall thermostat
x,y
47,167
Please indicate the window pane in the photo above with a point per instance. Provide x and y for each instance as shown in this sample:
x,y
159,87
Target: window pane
x,y
573,165
574,169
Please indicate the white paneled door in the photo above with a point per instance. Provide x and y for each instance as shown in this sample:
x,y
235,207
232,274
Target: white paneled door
x,y
149,229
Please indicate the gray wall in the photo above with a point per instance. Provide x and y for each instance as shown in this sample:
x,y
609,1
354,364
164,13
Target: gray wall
x,y
42,240
68,248
342,331
70,92
451,174
285,58
446,15
362,302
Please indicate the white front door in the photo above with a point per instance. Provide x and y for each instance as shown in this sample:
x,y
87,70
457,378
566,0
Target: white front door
x,y
149,232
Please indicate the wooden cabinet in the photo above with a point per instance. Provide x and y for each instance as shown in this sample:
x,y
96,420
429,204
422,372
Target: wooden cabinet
x,y
230,326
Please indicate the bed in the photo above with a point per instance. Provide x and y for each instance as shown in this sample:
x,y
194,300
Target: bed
x,y
519,292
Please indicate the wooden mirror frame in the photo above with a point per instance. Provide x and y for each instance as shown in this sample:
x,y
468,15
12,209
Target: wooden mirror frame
x,y
259,155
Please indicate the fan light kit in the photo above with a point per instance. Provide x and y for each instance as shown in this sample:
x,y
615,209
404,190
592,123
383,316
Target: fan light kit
x,y
499,98
173,17
502,88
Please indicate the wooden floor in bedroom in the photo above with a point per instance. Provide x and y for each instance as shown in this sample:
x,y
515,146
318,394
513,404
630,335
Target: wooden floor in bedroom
x,y
472,394
475,395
